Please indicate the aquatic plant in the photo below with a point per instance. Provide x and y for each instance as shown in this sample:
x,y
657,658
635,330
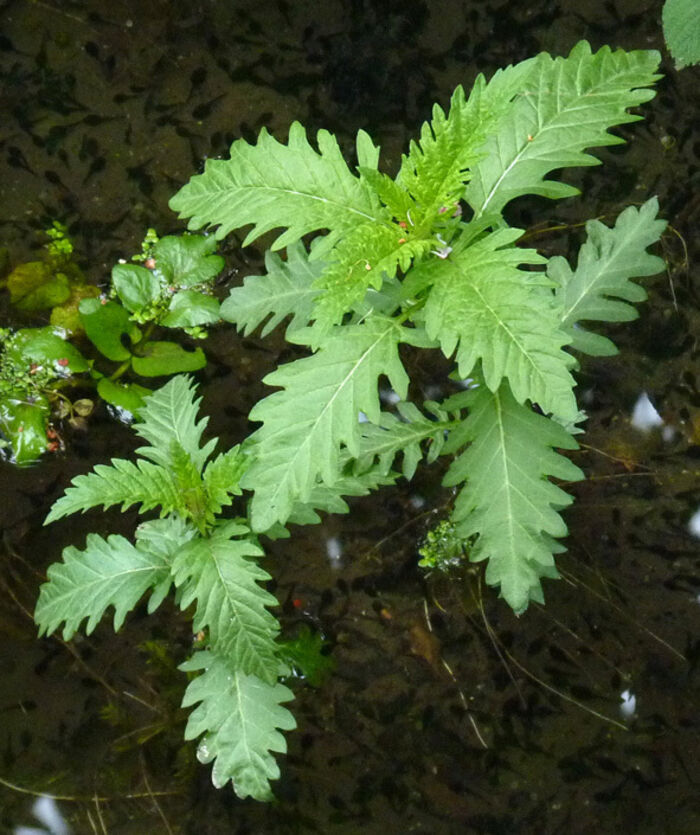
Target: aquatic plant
x,y
428,260
167,285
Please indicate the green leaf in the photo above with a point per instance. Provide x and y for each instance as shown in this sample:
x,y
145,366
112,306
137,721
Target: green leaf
x,y
121,482
239,716
189,484
35,285
160,358
367,151
189,308
219,574
405,435
66,316
286,290
23,423
221,478
681,25
163,538
136,286
436,167
490,311
105,324
600,288
394,196
565,106
170,478
270,185
305,653
109,572
507,499
170,417
330,499
187,260
305,424
45,347
128,396
368,255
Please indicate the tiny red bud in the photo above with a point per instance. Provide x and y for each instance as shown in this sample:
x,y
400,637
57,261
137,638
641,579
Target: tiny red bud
x,y
297,603
150,263
403,224
63,361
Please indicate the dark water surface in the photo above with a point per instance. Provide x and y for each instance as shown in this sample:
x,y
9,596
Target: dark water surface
x,y
445,713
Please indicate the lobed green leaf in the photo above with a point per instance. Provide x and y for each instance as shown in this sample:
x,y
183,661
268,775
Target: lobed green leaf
x,y
508,500
286,290
240,717
600,288
170,415
121,482
109,572
218,573
271,185
483,306
565,105
317,413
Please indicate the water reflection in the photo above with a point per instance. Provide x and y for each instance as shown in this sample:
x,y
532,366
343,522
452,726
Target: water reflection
x,y
46,811
334,551
694,524
629,704
644,415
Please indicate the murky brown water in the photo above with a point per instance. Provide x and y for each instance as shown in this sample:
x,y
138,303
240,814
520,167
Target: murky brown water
x,y
107,110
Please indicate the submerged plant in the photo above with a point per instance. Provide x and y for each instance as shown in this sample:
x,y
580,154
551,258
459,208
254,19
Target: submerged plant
x,y
426,259
170,288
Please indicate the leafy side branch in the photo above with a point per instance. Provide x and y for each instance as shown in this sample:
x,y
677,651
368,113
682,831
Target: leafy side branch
x,y
426,259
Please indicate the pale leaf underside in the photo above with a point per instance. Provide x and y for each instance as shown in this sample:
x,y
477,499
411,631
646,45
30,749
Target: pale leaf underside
x,y
109,572
393,436
219,574
240,717
599,289
286,290
507,499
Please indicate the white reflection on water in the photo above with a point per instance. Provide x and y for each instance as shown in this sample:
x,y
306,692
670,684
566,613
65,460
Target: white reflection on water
x,y
644,415
334,551
694,524
389,396
47,812
628,706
